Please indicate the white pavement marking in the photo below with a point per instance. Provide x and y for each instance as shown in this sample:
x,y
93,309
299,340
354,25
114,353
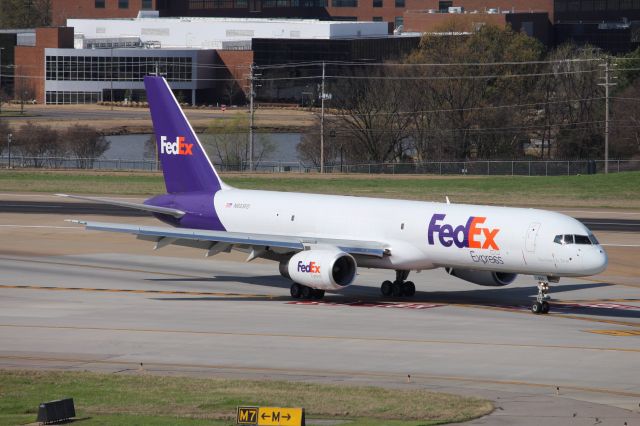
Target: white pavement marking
x,y
621,245
42,226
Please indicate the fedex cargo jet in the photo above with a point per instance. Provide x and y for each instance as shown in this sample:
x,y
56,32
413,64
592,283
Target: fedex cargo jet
x,y
320,241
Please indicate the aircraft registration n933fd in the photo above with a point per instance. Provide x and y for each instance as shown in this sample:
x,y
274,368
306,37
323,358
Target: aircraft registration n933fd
x,y
321,240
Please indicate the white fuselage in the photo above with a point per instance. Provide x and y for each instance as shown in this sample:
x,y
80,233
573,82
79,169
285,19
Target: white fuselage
x,y
421,235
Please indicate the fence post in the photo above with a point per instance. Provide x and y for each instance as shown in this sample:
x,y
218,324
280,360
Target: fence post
x,y
546,168
568,168
440,166
488,172
618,166
529,167
512,168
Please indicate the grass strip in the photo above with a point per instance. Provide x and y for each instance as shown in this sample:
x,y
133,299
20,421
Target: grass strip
x,y
144,399
616,190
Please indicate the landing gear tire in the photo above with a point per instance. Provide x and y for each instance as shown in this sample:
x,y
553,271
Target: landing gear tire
x,y
541,306
536,308
386,288
545,307
317,294
396,289
408,289
307,292
296,290
400,287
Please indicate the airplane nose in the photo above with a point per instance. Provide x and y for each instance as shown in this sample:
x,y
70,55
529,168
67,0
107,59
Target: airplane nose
x,y
596,261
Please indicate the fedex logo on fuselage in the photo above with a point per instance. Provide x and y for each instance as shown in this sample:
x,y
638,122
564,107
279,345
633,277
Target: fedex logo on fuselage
x,y
468,235
311,267
177,147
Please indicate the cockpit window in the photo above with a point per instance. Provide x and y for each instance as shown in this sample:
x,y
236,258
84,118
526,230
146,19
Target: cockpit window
x,y
582,239
575,239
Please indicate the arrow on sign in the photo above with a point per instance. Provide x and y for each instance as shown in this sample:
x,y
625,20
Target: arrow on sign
x,y
264,416
288,416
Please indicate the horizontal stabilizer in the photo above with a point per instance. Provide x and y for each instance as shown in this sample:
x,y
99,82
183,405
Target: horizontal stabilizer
x,y
137,206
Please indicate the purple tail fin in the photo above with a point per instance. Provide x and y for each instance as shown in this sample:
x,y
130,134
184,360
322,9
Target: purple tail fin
x,y
185,164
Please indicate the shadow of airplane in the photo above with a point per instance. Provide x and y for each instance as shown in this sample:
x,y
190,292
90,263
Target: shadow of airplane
x,y
510,298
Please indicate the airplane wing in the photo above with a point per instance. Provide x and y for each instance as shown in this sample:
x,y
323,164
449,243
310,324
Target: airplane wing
x,y
153,209
217,241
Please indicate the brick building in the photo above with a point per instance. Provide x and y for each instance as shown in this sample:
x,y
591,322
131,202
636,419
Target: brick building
x,y
61,10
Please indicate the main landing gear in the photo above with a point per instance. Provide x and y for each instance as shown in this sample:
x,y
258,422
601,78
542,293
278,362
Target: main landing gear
x,y
399,287
299,291
541,306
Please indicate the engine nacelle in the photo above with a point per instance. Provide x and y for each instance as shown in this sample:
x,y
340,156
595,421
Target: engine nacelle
x,y
486,278
321,269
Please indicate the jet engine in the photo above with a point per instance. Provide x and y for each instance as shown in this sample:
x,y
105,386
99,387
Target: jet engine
x,y
486,278
320,269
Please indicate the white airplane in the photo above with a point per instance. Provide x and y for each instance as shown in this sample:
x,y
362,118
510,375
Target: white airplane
x,y
321,240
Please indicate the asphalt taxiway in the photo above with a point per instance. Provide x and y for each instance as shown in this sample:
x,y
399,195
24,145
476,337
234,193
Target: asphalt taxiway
x,y
78,300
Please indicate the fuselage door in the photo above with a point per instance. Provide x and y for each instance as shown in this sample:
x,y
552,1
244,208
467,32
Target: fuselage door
x,y
532,234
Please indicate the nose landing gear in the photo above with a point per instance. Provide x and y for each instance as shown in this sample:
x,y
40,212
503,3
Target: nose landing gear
x,y
541,306
400,287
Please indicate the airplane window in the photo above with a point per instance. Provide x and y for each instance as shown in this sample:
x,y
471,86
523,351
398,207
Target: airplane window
x,y
593,239
582,239
558,239
568,239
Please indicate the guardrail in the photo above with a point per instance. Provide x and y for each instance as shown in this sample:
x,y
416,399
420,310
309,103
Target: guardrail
x,y
477,167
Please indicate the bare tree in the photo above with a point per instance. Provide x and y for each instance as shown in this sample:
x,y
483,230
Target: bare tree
x,y
37,142
85,143
625,127
4,132
370,115
335,144
24,91
229,141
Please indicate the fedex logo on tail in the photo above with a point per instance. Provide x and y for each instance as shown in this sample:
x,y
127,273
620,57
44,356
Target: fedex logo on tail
x,y
177,147
311,267
470,235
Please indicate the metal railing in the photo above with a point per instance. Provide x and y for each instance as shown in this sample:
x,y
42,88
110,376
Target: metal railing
x,y
476,167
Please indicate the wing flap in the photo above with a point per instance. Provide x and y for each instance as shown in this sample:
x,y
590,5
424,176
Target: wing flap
x,y
198,238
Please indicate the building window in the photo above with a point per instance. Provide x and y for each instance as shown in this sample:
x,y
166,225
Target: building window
x,y
106,68
613,5
399,21
399,3
147,4
123,4
377,3
99,4
377,19
344,3
443,6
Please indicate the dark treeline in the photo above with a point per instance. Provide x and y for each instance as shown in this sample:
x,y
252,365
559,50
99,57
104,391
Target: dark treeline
x,y
41,145
494,94
25,13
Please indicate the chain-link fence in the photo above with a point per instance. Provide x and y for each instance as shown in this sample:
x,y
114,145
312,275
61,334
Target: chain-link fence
x,y
478,167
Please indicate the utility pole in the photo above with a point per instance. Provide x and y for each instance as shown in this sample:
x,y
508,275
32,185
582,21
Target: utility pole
x,y
251,94
9,136
1,49
607,83
322,96
111,66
